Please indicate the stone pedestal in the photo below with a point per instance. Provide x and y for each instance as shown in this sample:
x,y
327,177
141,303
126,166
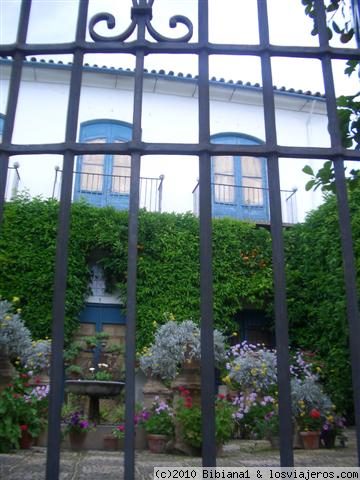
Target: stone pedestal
x,y
154,387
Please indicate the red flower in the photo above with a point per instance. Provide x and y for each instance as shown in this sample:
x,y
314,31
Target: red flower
x,y
221,396
24,375
315,413
188,402
23,428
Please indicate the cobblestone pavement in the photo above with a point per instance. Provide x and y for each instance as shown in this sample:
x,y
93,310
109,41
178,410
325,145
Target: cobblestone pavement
x,y
98,465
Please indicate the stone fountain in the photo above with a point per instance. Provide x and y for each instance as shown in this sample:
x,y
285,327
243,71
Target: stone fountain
x,y
94,389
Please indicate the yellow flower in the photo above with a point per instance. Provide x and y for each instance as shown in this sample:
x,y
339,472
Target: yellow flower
x,y
226,379
7,317
154,323
318,369
234,334
15,299
237,368
18,310
253,371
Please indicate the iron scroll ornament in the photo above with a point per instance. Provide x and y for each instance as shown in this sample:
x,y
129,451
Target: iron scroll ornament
x,y
141,8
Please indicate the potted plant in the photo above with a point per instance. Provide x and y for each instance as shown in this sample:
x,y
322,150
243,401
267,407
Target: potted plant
x,y
74,371
159,426
188,423
333,427
77,427
23,410
310,424
266,420
111,442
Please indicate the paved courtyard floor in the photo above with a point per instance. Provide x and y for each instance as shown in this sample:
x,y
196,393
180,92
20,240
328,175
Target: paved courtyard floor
x,y
102,465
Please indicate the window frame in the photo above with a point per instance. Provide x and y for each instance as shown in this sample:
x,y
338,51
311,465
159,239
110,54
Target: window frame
x,y
240,208
108,131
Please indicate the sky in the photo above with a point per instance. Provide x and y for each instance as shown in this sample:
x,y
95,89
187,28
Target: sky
x,y
230,21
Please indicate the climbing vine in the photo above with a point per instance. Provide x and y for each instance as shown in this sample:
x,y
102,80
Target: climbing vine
x,y
168,264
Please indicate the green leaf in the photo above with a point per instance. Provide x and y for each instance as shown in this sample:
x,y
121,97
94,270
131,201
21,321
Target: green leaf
x,y
308,170
346,37
336,27
309,185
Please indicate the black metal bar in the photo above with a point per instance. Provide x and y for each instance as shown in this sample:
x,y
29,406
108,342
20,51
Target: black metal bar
x,y
281,320
12,99
206,287
349,264
181,148
56,369
130,357
181,47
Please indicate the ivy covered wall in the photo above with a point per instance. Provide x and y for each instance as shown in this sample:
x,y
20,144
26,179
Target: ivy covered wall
x,y
168,264
316,293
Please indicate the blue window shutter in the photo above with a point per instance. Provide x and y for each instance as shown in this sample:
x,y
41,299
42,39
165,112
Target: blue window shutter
x,y
242,207
109,131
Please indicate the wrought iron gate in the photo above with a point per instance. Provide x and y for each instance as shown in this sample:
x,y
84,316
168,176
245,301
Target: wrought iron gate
x,y
141,16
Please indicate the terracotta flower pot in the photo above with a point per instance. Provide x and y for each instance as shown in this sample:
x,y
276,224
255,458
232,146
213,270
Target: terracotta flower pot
x,y
310,440
77,440
111,442
157,443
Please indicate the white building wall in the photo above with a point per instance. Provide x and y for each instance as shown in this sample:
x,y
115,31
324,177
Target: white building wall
x,y
170,114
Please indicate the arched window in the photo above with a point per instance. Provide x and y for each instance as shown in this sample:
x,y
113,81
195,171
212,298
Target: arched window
x,y
104,179
239,182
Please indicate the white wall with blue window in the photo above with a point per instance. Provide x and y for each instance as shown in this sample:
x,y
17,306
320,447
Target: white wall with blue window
x,y
170,114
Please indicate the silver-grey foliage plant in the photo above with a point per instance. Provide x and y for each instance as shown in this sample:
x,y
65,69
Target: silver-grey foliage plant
x,y
309,391
16,338
14,335
174,343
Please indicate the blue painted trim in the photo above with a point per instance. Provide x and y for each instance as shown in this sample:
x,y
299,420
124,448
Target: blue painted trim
x,y
2,120
100,314
240,138
111,131
238,209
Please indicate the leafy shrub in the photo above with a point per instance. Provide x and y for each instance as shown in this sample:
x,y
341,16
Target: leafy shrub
x,y
22,407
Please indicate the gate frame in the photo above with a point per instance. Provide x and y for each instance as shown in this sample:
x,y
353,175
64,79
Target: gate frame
x,y
141,15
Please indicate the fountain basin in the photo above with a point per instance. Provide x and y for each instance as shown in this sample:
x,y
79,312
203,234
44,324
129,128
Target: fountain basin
x,y
94,388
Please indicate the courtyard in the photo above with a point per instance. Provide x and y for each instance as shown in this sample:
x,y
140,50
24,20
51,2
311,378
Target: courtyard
x,y
102,465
